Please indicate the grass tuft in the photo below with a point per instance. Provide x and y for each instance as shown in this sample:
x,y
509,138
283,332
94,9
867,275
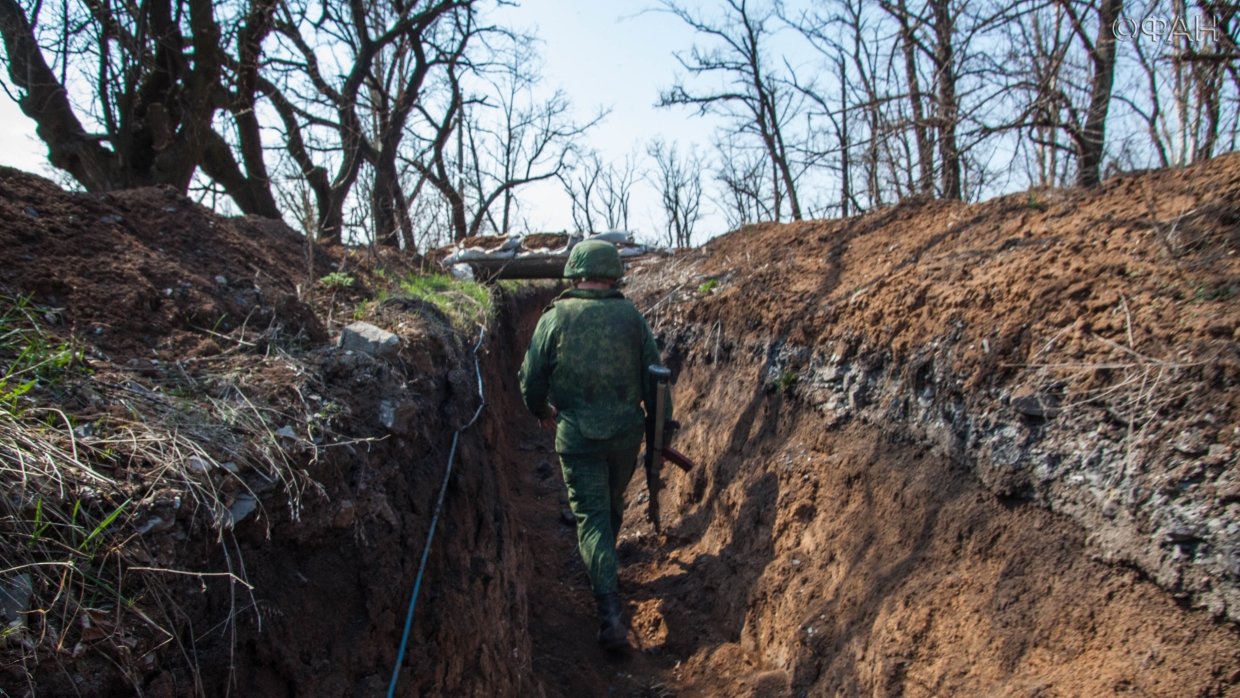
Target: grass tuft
x,y
29,357
465,303
787,379
337,280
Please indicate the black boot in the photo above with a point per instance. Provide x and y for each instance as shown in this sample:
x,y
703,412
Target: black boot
x,y
612,633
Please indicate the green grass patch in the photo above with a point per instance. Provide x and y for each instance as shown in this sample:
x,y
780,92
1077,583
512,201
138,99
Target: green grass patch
x,y
787,379
29,357
1205,293
337,281
465,303
708,286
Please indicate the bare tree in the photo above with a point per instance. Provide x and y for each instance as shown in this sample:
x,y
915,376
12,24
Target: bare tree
x,y
1187,68
581,182
744,180
678,179
749,93
1044,40
616,193
947,112
241,169
864,111
599,193
909,46
938,17
151,76
1062,93
1090,138
177,87
378,57
506,138
843,138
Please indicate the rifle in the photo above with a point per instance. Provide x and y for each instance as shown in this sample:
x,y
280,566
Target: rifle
x,y
657,450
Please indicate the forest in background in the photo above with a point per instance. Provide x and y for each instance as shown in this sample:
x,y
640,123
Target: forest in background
x,y
412,123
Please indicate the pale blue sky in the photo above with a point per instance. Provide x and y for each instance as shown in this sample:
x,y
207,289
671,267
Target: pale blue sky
x,y
614,55
18,146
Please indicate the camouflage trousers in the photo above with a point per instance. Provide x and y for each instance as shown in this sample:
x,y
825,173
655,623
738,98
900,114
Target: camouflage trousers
x,y
596,482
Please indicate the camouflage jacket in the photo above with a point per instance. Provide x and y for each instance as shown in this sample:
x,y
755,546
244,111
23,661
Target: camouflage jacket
x,y
588,357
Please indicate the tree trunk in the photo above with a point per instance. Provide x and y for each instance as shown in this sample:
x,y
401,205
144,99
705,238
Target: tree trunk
x,y
948,109
845,159
46,101
251,196
1093,135
259,198
384,196
331,219
925,156
778,152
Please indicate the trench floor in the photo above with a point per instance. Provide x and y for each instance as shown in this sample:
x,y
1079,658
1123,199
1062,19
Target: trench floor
x,y
566,658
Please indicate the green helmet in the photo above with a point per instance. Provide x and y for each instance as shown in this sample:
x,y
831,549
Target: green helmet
x,y
594,259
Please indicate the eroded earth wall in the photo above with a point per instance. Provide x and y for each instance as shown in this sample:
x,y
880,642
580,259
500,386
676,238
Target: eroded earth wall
x,y
1079,350
957,448
332,588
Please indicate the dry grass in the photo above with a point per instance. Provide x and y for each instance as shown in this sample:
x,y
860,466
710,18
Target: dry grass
x,y
1137,389
97,466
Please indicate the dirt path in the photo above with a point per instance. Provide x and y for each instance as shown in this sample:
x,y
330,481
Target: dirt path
x,y
567,660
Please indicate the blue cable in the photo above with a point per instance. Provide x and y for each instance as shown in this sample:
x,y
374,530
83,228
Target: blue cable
x,y
430,536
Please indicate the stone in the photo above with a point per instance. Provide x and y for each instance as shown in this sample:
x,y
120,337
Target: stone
x,y
368,339
544,470
1036,405
157,524
244,505
15,593
1191,442
1216,454
1181,534
397,417
345,515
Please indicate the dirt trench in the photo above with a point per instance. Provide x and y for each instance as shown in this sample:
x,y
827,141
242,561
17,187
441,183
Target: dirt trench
x,y
818,561
869,516
801,559
807,560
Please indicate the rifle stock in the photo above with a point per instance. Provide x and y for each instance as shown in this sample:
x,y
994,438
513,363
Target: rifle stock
x,y
654,442
678,459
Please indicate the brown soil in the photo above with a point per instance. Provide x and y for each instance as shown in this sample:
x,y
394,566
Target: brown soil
x,y
833,550
824,545
148,273
484,242
544,241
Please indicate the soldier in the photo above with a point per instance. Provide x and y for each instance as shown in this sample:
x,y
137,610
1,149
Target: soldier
x,y
586,374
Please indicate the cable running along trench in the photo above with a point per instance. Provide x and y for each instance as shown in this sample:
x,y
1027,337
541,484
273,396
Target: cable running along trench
x,y
430,535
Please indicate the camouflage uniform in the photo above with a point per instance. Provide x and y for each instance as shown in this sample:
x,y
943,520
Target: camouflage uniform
x,y
588,358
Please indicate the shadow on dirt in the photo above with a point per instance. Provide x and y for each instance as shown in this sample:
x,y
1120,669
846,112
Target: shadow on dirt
x,y
706,601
